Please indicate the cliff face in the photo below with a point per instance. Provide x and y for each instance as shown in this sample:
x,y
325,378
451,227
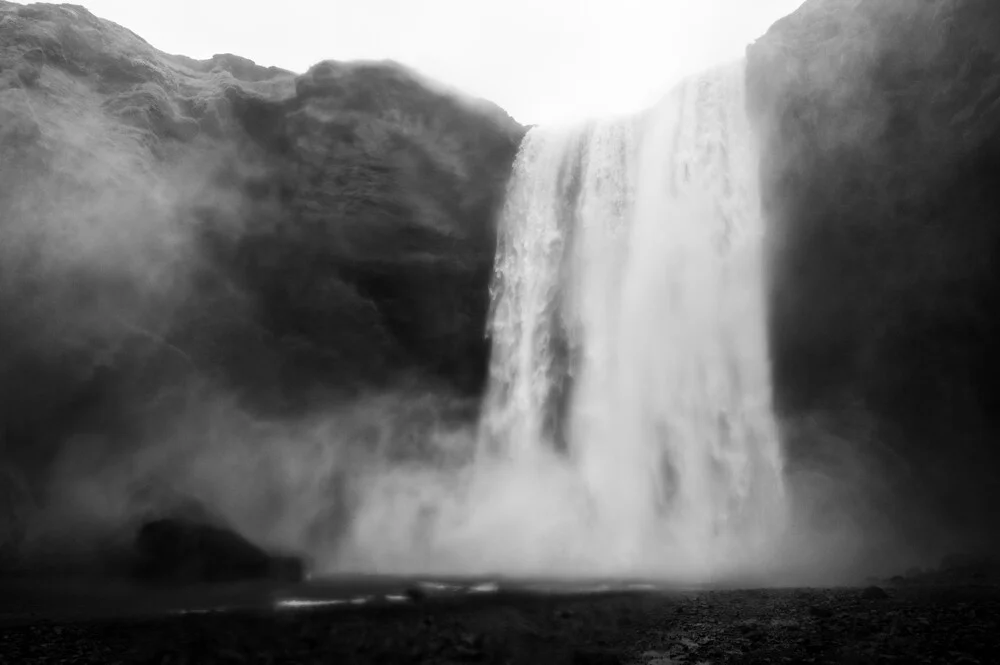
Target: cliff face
x,y
385,191
880,130
165,221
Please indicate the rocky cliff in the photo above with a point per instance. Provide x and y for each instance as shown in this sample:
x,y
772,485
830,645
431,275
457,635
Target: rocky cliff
x,y
880,130
166,222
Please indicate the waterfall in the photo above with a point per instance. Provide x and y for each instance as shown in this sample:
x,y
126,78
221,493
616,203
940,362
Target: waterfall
x,y
627,429
629,350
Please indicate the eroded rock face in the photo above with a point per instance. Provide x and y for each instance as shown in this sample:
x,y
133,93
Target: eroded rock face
x,y
880,126
166,222
388,192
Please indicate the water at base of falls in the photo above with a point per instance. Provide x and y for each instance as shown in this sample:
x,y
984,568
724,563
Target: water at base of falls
x,y
628,426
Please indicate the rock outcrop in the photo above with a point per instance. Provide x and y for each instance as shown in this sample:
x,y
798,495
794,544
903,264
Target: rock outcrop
x,y
880,130
176,551
167,222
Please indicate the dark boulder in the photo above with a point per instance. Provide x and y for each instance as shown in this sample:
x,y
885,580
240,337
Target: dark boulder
x,y
177,551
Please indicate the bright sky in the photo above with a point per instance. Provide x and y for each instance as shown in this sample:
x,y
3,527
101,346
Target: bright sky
x,y
542,60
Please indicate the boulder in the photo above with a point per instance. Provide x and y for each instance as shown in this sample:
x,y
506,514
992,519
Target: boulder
x,y
177,551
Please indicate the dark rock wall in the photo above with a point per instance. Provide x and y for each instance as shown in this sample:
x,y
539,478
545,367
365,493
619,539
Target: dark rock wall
x,y
168,223
880,129
387,192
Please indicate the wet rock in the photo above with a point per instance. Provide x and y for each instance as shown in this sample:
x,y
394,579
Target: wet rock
x,y
365,248
175,551
879,123
392,236
874,593
281,249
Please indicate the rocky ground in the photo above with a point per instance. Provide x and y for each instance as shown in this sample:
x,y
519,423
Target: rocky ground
x,y
919,619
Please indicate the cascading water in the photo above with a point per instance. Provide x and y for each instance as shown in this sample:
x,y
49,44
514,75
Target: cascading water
x,y
630,378
627,430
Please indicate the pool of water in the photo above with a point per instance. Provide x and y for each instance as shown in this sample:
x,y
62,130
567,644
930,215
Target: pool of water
x,y
37,599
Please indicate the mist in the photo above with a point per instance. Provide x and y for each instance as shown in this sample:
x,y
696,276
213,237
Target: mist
x,y
99,255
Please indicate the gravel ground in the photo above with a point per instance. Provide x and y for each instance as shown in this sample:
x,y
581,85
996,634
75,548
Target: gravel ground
x,y
901,623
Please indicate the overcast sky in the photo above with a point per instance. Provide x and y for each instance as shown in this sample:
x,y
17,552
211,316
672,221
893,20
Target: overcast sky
x,y
542,60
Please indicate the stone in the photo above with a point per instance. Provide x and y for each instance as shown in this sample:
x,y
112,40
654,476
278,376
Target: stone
x,y
874,593
177,551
